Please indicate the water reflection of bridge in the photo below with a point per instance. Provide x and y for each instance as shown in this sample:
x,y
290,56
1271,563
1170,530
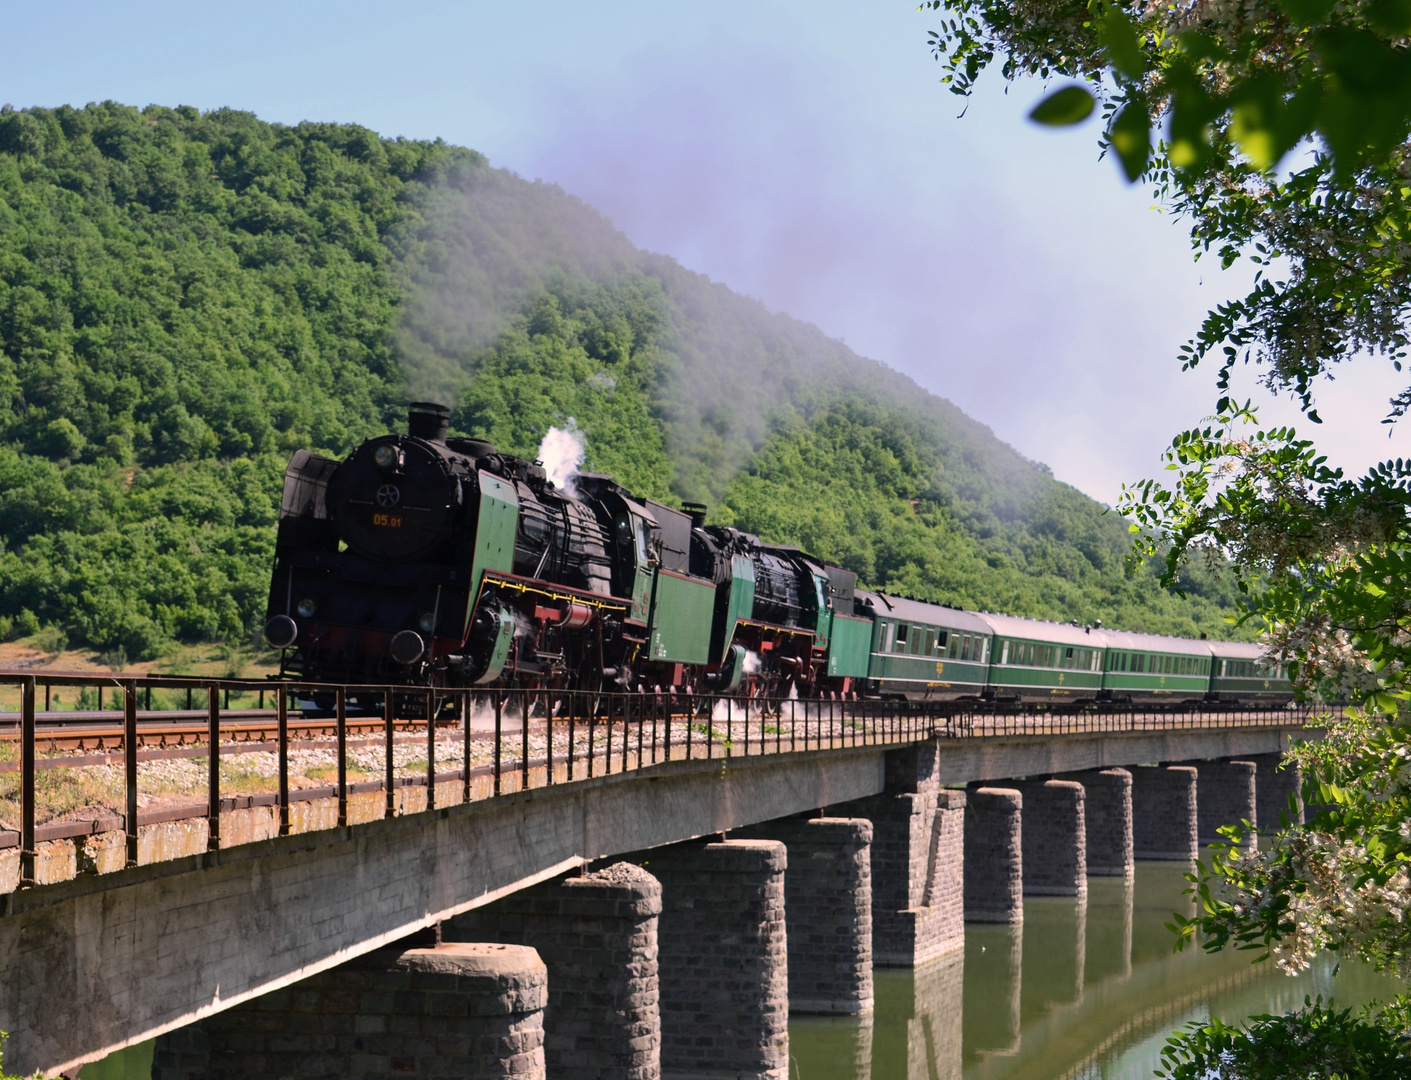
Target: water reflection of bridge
x,y
1063,996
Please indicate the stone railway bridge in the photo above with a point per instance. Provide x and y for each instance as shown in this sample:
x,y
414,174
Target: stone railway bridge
x,y
660,920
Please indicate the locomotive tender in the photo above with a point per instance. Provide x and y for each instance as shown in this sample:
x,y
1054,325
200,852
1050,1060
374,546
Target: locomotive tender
x,y
428,559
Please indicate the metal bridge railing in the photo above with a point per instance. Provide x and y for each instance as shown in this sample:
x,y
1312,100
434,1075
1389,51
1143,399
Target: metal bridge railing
x,y
107,756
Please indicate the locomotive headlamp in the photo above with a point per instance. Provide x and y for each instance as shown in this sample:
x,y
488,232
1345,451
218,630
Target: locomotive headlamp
x,y
386,456
306,608
427,622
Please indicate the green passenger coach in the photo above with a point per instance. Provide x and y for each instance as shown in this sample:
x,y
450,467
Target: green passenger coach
x,y
924,652
1044,661
1151,668
1240,673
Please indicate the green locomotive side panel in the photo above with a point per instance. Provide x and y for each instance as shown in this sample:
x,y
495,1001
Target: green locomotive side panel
x,y
641,595
681,619
849,646
495,527
825,613
740,604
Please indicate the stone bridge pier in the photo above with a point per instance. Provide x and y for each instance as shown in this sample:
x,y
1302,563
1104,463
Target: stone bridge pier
x,y
1045,836
918,860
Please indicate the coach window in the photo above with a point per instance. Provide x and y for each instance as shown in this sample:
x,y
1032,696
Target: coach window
x,y
941,642
901,637
930,645
916,635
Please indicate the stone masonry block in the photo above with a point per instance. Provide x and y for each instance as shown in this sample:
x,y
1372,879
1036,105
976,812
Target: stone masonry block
x,y
724,968
598,936
918,904
828,899
1107,811
1225,795
1055,838
1277,780
485,1000
1164,808
994,864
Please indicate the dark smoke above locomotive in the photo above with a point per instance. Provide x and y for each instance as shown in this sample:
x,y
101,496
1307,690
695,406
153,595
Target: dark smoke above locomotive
x,y
424,558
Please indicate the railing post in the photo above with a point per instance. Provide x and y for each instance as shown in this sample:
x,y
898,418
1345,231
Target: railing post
x,y
341,699
730,732
283,716
389,766
129,753
666,735
213,768
624,745
573,702
27,755
499,710
548,743
466,702
431,749
592,732
607,754
639,740
524,740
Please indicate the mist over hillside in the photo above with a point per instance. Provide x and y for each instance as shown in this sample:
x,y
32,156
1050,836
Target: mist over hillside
x,y
187,298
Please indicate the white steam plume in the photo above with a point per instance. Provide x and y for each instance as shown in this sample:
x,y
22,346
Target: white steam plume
x,y
562,452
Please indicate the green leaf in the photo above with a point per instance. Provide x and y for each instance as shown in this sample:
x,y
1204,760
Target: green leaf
x,y
1391,17
1307,12
1069,105
1130,136
1124,47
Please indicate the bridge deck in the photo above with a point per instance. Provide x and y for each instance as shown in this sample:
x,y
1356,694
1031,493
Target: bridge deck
x,y
145,917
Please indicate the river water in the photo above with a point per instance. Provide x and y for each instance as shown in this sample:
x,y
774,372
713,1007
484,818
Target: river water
x,y
1081,991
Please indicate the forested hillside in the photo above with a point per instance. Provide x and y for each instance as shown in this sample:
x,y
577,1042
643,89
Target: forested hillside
x,y
187,298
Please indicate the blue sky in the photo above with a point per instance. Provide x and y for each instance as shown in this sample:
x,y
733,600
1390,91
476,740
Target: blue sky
x,y
805,154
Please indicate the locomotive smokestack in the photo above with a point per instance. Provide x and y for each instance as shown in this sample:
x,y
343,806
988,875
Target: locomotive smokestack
x,y
697,512
427,420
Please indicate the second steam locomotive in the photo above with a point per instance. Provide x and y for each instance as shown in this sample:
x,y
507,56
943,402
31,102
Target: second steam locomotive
x,y
427,559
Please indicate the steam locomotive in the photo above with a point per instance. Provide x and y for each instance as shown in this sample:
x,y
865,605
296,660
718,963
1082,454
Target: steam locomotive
x,y
425,559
